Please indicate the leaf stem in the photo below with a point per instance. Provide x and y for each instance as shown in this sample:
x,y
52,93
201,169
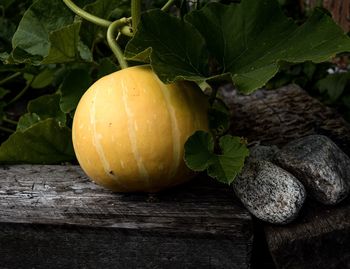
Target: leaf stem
x,y
86,15
7,130
9,120
135,13
168,5
10,77
113,43
20,94
205,86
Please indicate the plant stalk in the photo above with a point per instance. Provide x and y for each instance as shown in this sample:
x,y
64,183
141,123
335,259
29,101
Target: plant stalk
x,y
112,29
10,77
168,5
7,130
135,13
86,15
5,119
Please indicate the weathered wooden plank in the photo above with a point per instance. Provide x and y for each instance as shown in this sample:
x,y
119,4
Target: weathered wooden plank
x,y
275,117
54,217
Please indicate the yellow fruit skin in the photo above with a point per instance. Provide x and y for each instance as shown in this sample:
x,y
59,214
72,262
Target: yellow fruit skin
x,y
129,130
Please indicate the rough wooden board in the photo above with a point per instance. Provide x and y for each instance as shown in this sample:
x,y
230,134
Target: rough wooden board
x,y
55,211
320,238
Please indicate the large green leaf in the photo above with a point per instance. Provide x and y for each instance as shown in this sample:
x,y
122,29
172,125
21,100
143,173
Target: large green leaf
x,y
226,166
200,156
42,108
47,106
177,51
43,143
255,36
48,33
245,42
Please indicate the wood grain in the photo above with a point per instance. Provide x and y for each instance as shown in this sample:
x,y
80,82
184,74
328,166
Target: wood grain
x,y
276,117
54,217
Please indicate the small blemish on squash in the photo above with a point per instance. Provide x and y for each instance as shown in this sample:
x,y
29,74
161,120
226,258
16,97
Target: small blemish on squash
x,y
111,172
110,124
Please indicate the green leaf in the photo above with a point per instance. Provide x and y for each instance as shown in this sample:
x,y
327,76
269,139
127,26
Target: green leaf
x,y
200,155
27,120
227,165
7,30
73,87
47,34
250,39
43,79
43,143
333,85
177,51
47,106
66,46
199,150
28,77
245,42
219,118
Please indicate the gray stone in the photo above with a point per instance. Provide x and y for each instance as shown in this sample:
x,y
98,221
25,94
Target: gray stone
x,y
261,152
269,192
320,165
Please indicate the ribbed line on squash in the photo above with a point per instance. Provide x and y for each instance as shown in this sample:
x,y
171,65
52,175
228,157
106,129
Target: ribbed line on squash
x,y
174,130
98,146
132,136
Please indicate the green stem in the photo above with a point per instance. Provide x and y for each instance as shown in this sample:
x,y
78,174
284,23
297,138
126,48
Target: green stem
x,y
10,77
113,43
168,5
126,30
20,94
87,16
135,13
9,121
7,130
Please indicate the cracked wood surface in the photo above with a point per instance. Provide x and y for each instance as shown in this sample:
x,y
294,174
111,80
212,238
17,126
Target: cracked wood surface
x,y
55,211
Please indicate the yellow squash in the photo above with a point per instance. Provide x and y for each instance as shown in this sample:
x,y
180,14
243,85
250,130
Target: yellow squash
x,y
129,130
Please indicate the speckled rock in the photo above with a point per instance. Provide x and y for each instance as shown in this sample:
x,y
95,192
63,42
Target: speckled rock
x,y
269,192
263,153
320,165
